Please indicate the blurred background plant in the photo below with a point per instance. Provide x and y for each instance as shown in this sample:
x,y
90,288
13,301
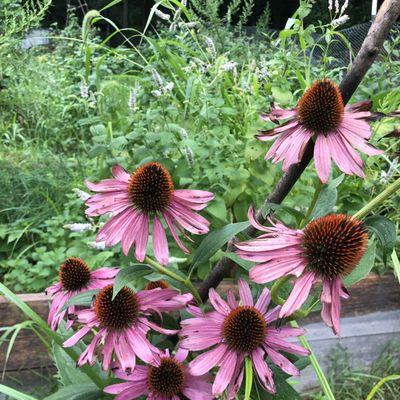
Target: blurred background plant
x,y
188,96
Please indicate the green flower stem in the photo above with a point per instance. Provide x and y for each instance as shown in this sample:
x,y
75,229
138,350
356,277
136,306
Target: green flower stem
x,y
165,271
13,298
314,200
315,364
379,199
384,380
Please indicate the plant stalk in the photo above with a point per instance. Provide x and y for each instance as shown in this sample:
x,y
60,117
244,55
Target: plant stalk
x,y
317,368
378,200
165,271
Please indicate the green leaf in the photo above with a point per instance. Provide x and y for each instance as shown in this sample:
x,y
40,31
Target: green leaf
x,y
249,378
86,391
237,260
363,268
268,207
129,275
81,299
327,198
67,372
284,391
385,231
97,150
14,394
215,240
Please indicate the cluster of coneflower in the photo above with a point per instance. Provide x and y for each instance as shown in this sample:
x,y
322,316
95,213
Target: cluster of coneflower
x,y
322,253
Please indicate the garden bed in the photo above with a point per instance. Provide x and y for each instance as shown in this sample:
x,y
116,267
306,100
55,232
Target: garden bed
x,y
374,303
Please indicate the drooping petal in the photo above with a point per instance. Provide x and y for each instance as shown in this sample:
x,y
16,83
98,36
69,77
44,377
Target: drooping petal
x,y
322,158
208,360
160,243
299,294
225,372
245,293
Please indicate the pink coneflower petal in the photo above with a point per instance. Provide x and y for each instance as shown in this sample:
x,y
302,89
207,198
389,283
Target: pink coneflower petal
x,y
245,293
327,249
299,294
282,362
206,361
320,115
219,304
263,301
165,378
160,243
123,325
262,369
75,277
225,372
234,331
322,158
141,199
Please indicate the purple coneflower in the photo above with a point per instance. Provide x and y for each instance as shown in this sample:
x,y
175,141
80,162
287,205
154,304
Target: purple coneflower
x,y
175,302
166,378
74,277
235,331
135,199
326,250
122,325
321,116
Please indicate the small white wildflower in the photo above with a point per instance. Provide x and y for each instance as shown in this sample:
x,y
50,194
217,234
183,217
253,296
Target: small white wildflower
x,y
81,194
344,6
77,227
340,21
160,14
97,245
384,178
84,88
210,46
189,156
168,87
157,79
183,134
337,6
228,66
188,25
156,93
330,5
132,102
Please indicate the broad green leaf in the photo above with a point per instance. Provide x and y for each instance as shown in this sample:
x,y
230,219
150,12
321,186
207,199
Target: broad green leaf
x,y
82,391
215,240
284,391
15,394
68,374
129,275
327,198
385,231
81,299
237,260
363,268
